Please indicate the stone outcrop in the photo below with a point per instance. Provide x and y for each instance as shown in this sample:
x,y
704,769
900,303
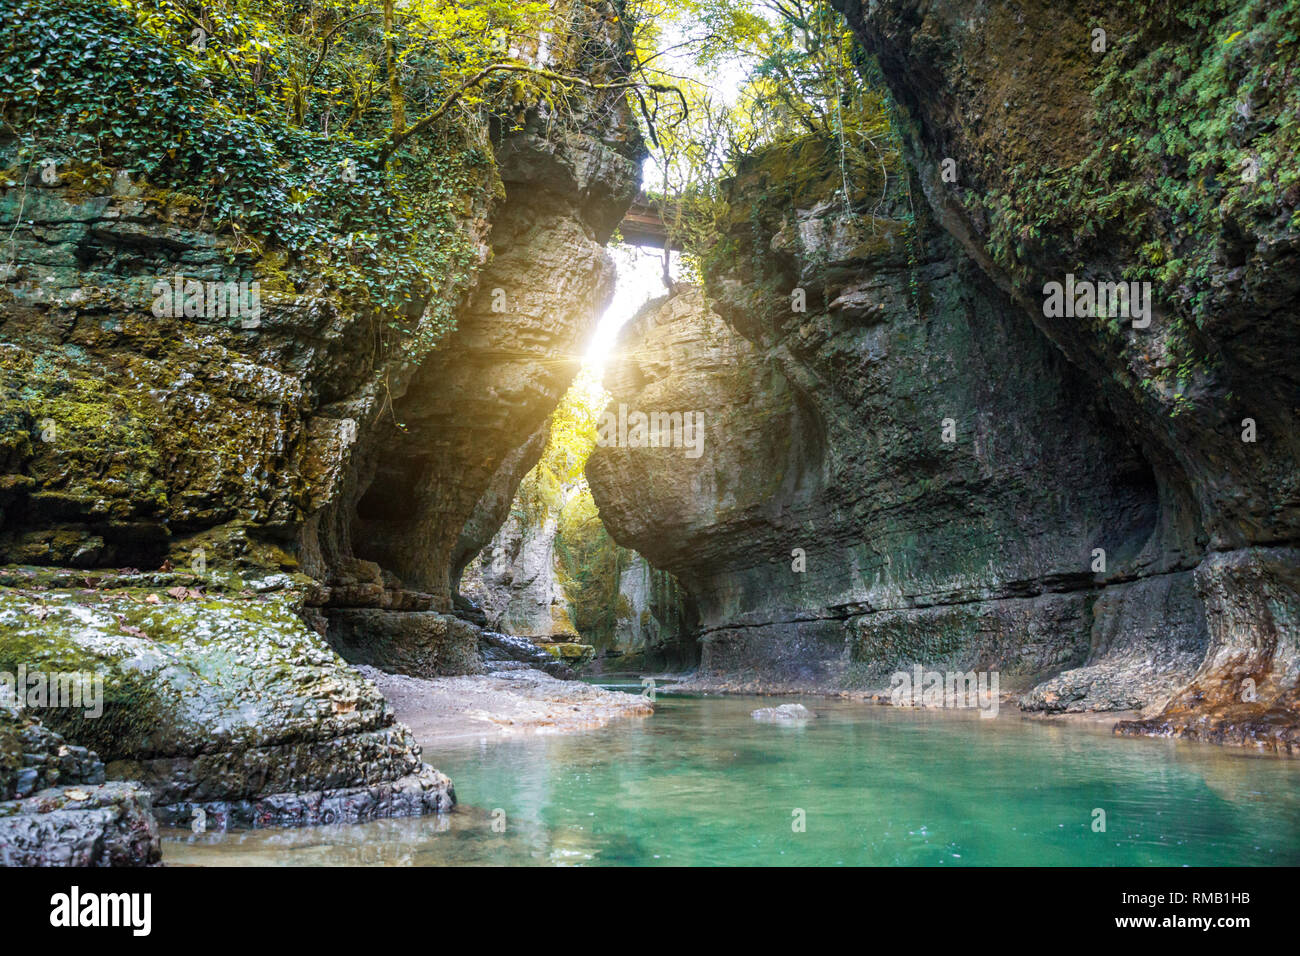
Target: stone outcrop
x,y
322,479
504,369
655,627
216,699
524,589
419,643
244,451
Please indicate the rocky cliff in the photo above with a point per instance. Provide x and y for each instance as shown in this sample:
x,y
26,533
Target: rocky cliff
x,y
904,471
655,627
1148,143
830,533
556,577
932,464
312,460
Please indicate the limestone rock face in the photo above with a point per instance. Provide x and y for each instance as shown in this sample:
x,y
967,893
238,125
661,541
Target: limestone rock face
x,y
828,532
419,643
514,580
1205,211
897,468
947,457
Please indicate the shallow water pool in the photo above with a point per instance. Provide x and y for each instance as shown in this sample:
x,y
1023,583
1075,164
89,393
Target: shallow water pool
x,y
701,782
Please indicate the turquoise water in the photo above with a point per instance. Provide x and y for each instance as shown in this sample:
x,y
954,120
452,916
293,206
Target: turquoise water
x,y
701,782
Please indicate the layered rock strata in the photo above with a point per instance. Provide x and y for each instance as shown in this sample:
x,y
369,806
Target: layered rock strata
x,y
56,809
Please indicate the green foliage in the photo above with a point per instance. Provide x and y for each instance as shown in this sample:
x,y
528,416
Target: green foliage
x,y
115,86
570,441
801,81
282,125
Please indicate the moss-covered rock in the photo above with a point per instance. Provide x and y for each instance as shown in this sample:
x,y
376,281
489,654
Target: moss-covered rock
x,y
214,695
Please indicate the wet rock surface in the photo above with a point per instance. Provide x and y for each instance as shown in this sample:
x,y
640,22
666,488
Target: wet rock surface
x,y
217,696
106,824
56,808
506,652
1245,690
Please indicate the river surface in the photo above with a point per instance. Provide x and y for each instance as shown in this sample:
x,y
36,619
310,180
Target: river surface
x,y
701,782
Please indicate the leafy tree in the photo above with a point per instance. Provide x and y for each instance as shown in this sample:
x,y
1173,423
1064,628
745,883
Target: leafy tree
x,y
799,76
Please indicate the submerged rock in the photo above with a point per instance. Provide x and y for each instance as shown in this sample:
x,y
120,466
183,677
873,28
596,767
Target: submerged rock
x,y
786,712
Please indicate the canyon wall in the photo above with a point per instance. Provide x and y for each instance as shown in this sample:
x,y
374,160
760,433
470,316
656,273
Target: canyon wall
x,y
556,577
298,484
514,581
1031,158
1147,143
828,531
656,624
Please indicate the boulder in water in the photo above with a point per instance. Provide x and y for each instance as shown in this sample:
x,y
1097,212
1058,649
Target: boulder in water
x,y
786,712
